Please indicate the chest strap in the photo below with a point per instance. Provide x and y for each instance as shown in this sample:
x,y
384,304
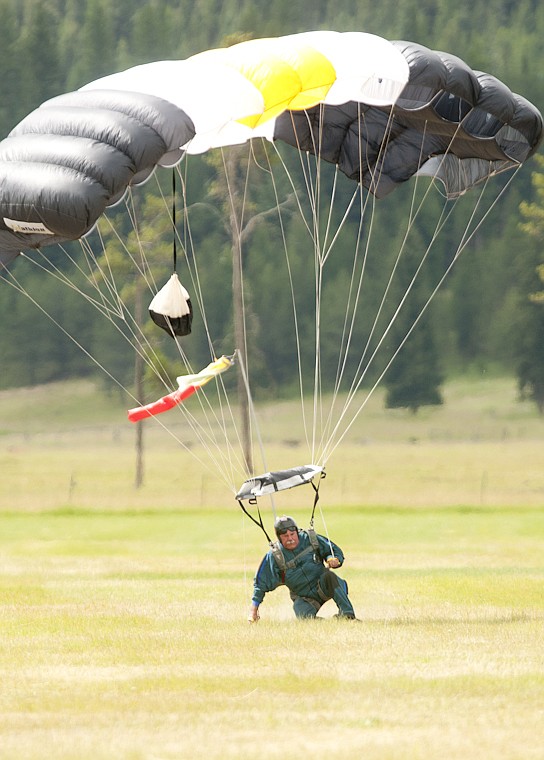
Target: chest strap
x,y
284,564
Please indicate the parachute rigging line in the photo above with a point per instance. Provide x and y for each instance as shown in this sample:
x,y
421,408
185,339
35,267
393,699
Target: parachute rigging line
x,y
258,522
335,440
316,496
174,237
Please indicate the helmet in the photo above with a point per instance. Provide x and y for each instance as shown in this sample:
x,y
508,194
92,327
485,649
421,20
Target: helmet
x,y
283,523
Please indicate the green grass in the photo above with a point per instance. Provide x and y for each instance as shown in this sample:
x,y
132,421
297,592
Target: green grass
x,y
123,631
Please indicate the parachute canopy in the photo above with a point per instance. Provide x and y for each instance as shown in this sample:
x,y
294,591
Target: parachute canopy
x,y
382,111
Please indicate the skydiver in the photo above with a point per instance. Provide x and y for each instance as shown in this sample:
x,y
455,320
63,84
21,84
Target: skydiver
x,y
303,561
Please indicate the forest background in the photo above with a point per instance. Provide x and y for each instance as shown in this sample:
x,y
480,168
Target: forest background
x,y
483,319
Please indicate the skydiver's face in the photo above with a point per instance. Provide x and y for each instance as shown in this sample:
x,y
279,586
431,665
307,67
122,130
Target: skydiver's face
x,y
289,539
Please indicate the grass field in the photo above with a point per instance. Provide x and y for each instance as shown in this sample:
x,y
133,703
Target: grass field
x,y
123,630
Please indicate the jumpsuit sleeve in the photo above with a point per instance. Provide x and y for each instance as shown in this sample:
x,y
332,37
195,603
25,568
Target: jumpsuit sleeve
x,y
328,548
268,578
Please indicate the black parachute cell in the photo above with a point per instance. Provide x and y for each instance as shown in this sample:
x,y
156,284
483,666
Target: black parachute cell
x,y
74,156
450,122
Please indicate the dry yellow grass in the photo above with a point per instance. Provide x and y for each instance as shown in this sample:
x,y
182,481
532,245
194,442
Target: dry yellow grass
x,y
68,444
396,474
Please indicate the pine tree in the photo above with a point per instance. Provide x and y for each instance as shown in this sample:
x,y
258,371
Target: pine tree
x,y
529,328
39,61
9,66
414,377
96,48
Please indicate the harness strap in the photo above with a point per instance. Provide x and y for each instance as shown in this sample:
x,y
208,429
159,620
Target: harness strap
x,y
279,558
284,564
312,535
258,522
316,497
294,562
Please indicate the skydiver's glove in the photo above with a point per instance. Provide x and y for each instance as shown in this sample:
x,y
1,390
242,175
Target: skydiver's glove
x,y
254,616
333,562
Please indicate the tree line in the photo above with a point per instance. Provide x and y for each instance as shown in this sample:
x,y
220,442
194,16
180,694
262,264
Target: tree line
x,y
483,316
51,46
